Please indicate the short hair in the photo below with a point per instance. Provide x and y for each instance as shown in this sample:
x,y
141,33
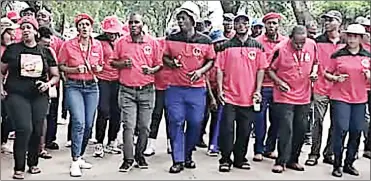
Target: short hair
x,y
298,30
45,32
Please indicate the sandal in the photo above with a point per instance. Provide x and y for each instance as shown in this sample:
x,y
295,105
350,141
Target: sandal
x,y
278,169
34,170
258,158
295,166
19,175
44,154
311,162
224,167
270,155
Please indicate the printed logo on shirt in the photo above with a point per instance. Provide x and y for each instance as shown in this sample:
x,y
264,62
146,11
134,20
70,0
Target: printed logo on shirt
x,y
147,50
31,65
196,52
365,63
252,55
307,57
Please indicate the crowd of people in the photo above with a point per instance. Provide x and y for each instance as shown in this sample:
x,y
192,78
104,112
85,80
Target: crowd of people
x,y
234,77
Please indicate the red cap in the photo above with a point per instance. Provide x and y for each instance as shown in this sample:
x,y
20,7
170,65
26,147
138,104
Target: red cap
x,y
111,24
82,16
29,19
271,15
13,15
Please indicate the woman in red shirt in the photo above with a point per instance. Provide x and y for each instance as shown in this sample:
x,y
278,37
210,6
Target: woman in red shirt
x,y
350,72
80,59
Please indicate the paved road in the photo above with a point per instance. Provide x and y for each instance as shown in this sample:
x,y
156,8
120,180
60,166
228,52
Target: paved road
x,y
107,168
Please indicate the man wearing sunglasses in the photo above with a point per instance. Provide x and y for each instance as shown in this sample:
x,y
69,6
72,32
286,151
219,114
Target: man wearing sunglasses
x,y
327,44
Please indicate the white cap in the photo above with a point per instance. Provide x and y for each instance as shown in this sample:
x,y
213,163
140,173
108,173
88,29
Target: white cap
x,y
191,9
6,23
355,29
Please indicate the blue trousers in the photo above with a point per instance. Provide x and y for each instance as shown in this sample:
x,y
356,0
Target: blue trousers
x,y
261,124
82,100
214,129
184,104
347,118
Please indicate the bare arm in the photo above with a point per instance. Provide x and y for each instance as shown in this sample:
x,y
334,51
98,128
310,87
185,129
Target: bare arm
x,y
54,74
68,70
259,80
4,68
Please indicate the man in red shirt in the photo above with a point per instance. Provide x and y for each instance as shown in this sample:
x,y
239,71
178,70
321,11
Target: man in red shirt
x,y
327,44
138,57
293,63
241,66
269,40
190,54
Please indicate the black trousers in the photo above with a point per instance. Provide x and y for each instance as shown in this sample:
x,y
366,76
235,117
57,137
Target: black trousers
x,y
244,117
28,126
52,119
157,113
291,132
6,124
209,114
108,109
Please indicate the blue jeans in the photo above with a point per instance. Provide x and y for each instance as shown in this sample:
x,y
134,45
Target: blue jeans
x,y
82,100
261,124
347,118
184,103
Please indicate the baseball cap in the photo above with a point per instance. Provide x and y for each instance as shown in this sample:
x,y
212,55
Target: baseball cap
x,y
333,14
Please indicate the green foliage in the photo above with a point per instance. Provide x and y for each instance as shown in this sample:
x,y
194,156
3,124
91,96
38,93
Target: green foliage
x,y
349,9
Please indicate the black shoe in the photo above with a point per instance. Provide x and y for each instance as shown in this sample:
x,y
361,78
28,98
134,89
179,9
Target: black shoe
x,y
141,163
337,172
194,149
52,146
225,167
201,144
350,170
190,164
176,168
126,166
328,160
367,154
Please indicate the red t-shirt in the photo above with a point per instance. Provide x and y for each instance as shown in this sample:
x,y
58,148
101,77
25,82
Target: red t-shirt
x,y
56,44
367,46
162,76
240,63
294,67
325,49
146,53
192,54
72,55
354,89
268,46
109,73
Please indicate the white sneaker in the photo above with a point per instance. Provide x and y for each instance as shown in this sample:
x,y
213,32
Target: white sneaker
x,y
168,145
135,140
5,148
112,148
92,141
83,164
98,151
68,144
75,170
150,150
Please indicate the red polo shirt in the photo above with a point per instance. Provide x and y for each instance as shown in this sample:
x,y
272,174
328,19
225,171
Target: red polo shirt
x,y
294,68
109,73
192,54
161,77
325,49
56,43
268,46
240,63
146,53
353,89
72,55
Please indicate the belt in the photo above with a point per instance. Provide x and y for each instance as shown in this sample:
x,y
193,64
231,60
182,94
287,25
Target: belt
x,y
86,82
139,87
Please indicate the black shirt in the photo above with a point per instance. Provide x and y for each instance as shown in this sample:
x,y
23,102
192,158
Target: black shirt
x,y
26,65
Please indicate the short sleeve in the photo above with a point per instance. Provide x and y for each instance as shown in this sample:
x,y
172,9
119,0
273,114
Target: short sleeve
x,y
274,59
316,56
331,66
50,58
220,60
63,53
6,55
158,53
210,52
116,51
262,61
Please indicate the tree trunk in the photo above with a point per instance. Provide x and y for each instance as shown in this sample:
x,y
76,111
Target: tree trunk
x,y
301,12
230,6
